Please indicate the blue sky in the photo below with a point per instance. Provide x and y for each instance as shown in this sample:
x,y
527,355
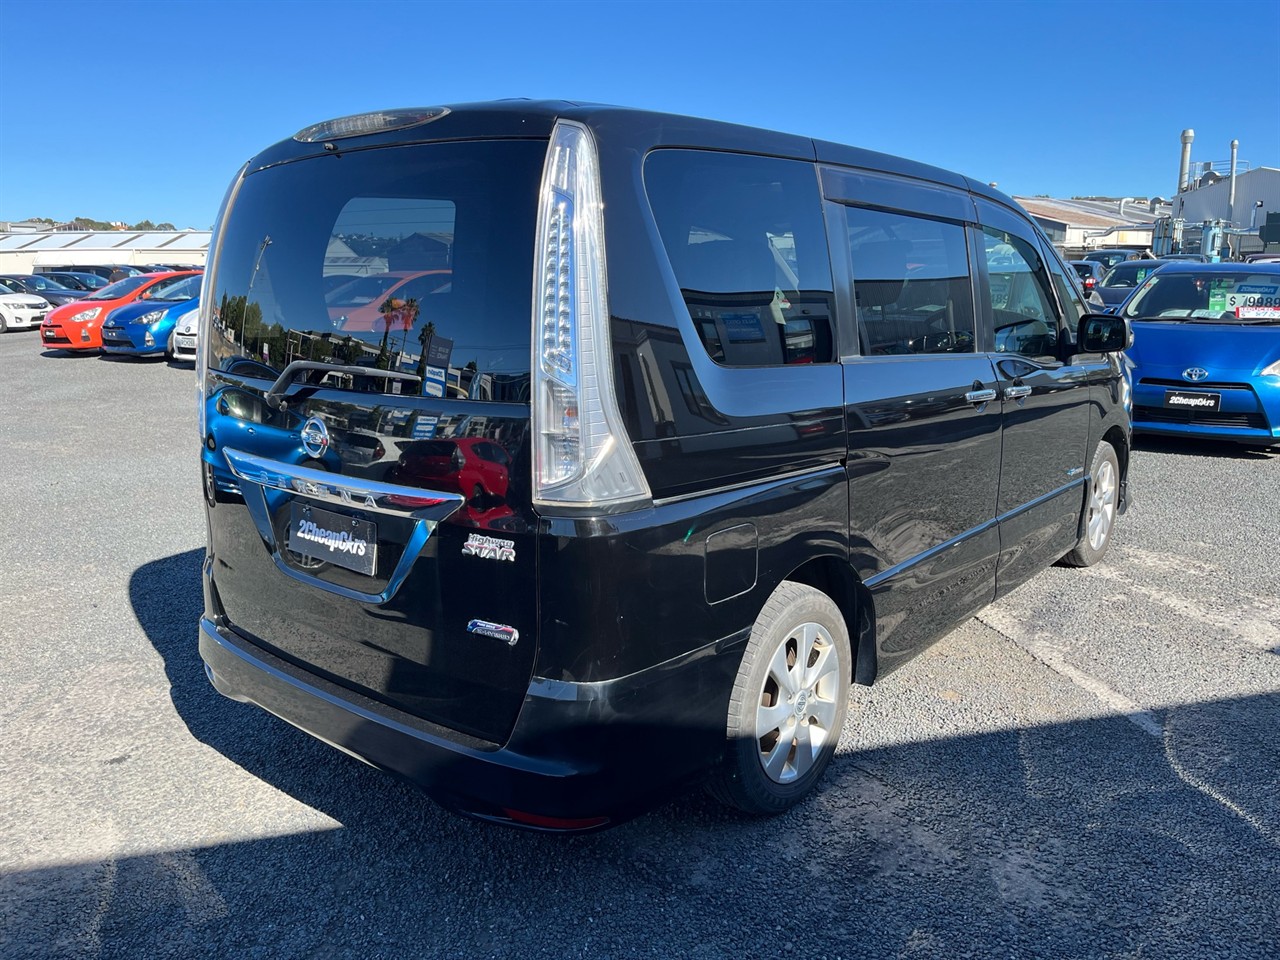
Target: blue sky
x,y
153,119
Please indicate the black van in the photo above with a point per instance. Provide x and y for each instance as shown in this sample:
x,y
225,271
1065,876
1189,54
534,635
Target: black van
x,y
559,456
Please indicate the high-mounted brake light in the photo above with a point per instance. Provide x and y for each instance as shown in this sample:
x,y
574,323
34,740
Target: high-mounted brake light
x,y
582,455
359,124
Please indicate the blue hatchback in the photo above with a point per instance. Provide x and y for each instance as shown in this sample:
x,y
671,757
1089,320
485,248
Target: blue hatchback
x,y
1206,352
144,328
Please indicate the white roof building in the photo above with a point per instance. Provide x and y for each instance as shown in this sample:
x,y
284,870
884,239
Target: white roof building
x,y
25,252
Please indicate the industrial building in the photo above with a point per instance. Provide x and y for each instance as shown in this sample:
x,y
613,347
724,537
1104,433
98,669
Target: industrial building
x,y
30,252
1077,226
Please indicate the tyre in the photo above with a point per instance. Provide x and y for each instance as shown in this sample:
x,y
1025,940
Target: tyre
x,y
788,703
1100,508
4,324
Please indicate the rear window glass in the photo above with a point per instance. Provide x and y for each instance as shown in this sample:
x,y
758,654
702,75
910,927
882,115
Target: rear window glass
x,y
746,240
415,259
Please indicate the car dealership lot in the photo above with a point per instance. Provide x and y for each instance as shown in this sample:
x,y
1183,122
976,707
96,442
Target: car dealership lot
x,y
1088,769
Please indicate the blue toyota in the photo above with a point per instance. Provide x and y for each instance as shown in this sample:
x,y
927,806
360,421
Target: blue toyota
x,y
145,327
1206,352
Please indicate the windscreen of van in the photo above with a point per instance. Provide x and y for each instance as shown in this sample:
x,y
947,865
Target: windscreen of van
x,y
416,259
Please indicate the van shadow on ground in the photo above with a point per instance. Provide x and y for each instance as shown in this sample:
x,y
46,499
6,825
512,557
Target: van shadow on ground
x,y
1084,839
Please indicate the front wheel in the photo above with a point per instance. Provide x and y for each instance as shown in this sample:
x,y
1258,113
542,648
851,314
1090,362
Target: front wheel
x,y
1100,509
788,703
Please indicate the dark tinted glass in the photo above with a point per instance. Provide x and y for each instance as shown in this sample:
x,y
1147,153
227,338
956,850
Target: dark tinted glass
x,y
746,241
911,284
1068,290
1021,303
416,259
44,283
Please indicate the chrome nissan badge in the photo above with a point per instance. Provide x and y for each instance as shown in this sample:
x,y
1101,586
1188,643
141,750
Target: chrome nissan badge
x,y
1195,374
315,437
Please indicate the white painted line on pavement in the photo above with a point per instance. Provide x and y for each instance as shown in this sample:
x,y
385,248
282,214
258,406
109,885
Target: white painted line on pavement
x,y
1014,632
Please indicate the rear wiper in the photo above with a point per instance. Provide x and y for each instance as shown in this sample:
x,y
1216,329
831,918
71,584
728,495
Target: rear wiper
x,y
274,397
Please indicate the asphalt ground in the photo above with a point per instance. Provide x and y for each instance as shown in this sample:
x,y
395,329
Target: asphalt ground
x,y
1088,769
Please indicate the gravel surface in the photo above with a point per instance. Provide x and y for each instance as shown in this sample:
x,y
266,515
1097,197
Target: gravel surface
x,y
1090,768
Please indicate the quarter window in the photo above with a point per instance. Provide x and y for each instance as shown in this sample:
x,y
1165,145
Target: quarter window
x,y
1073,307
1021,303
911,284
745,238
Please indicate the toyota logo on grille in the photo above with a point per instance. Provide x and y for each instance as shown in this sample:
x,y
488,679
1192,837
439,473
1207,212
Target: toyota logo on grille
x,y
315,438
1195,374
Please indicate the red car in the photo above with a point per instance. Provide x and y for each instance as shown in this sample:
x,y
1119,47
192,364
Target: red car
x,y
475,467
78,325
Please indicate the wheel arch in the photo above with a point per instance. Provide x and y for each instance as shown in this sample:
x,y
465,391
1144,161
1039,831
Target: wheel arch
x,y
1120,442
834,577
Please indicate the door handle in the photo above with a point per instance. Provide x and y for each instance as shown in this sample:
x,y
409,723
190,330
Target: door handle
x,y
979,397
1017,392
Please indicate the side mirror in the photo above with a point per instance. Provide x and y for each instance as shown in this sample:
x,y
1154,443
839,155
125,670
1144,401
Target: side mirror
x,y
1104,333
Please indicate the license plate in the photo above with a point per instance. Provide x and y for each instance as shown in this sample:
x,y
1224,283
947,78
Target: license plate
x,y
49,334
185,341
1195,402
324,535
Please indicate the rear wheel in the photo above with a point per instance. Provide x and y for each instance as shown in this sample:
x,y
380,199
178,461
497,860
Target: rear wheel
x,y
1100,509
788,703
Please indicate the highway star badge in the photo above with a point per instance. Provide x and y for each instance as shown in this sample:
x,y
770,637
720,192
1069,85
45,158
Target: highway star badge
x,y
489,548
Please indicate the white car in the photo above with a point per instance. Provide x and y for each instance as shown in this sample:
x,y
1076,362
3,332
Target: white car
x,y
182,342
20,311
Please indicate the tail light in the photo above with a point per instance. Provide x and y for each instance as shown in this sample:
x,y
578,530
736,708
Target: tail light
x,y
582,455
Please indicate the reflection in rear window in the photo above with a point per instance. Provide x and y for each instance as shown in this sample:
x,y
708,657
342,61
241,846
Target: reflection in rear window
x,y
414,259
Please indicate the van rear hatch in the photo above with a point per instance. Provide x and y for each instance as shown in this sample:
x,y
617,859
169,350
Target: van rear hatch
x,y
366,423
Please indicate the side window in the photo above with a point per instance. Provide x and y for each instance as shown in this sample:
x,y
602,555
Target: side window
x,y
1073,307
1021,305
746,240
910,283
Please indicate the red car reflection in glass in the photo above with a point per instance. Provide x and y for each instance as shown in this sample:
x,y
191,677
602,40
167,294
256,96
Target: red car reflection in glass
x,y
356,306
475,467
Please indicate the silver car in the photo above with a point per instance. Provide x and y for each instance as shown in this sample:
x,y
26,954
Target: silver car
x,y
182,342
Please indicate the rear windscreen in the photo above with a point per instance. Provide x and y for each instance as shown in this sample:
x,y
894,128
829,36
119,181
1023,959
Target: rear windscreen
x,y
413,259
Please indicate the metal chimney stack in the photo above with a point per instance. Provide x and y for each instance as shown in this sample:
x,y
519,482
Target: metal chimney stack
x,y
1231,191
1184,171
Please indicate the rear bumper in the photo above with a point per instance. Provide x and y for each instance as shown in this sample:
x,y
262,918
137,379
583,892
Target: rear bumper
x,y
582,756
